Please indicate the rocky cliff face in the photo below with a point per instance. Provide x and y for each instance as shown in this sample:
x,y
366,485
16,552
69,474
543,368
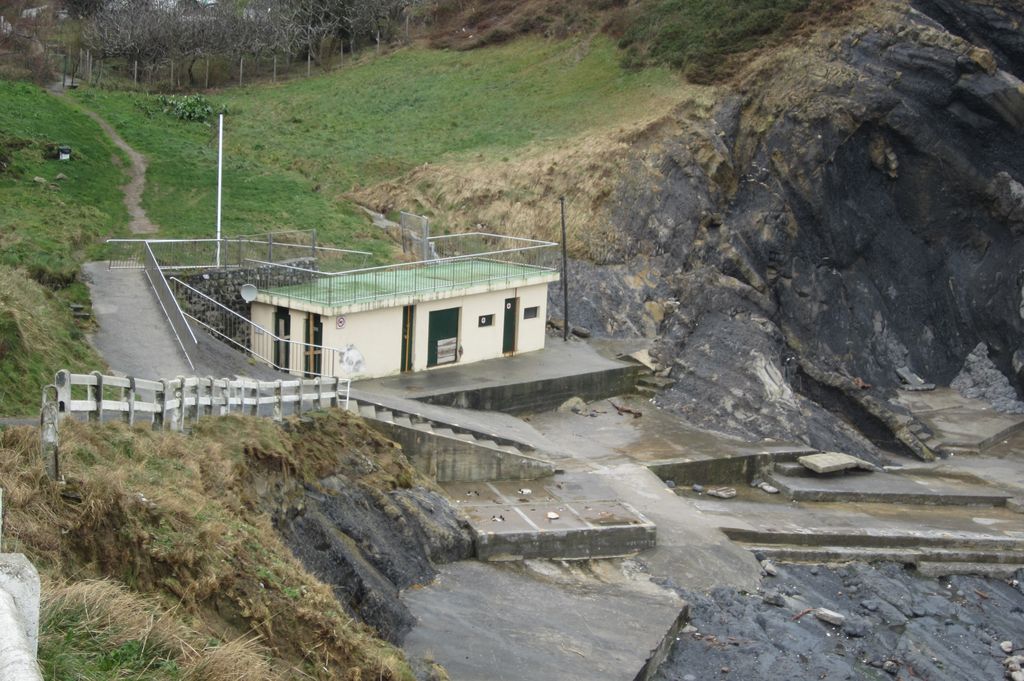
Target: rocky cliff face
x,y
855,205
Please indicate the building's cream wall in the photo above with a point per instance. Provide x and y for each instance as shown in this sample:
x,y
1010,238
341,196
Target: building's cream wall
x,y
531,333
485,343
377,334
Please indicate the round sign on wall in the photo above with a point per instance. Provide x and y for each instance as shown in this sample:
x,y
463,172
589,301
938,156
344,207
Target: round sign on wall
x,y
341,323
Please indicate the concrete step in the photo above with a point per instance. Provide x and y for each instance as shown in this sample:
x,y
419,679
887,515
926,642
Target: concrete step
x,y
655,382
441,430
791,468
353,406
487,443
846,554
385,415
403,421
510,449
367,411
645,391
424,426
1004,571
879,539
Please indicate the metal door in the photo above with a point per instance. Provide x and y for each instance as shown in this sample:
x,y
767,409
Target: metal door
x,y
508,341
283,331
443,337
408,317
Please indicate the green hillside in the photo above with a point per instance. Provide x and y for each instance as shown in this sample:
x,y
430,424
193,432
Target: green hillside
x,y
293,150
48,227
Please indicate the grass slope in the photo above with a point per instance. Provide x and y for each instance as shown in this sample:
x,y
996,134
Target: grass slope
x,y
294,150
38,336
48,227
160,560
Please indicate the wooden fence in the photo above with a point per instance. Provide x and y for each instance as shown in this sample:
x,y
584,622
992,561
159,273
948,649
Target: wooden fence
x,y
176,404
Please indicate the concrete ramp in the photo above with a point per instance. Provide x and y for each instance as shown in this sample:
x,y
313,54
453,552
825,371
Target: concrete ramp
x,y
134,337
447,452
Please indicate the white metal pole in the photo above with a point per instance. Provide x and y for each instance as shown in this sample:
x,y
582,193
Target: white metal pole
x,y
220,174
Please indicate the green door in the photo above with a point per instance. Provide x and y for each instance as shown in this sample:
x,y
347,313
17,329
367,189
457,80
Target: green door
x,y
443,337
283,331
508,341
407,326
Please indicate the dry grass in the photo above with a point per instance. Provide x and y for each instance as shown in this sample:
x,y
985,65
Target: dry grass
x,y
105,609
182,528
519,196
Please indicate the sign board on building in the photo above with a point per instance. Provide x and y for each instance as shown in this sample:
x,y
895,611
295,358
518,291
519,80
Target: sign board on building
x,y
446,350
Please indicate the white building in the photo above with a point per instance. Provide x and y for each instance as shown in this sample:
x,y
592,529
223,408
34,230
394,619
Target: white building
x,y
485,296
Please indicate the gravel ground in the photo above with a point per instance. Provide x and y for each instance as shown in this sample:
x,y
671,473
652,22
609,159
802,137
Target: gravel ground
x,y
897,626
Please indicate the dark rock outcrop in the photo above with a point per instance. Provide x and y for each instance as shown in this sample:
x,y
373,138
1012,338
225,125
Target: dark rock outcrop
x,y
855,208
897,625
369,545
980,380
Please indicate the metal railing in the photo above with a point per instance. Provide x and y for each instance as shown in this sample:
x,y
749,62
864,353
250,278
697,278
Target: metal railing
x,y
471,259
177,404
169,304
198,254
259,342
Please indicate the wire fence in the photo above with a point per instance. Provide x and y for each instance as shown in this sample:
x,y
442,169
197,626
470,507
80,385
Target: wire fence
x,y
192,72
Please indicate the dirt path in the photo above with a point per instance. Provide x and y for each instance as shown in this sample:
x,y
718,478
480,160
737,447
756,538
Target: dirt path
x,y
140,222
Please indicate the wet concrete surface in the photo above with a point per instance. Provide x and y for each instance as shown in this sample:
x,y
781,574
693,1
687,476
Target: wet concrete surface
x,y
957,421
556,360
891,488
542,621
606,454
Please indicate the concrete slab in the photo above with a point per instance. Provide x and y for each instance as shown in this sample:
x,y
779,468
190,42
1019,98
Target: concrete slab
x,y
564,517
833,462
530,382
958,422
883,488
540,621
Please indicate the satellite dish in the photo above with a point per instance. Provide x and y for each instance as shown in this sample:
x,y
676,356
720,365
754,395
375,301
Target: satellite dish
x,y
248,293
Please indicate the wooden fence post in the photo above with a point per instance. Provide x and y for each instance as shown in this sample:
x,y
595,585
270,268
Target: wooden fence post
x,y
160,398
97,396
179,411
48,421
279,401
129,415
63,382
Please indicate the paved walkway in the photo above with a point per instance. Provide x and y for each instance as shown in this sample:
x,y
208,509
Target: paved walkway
x,y
133,336
556,360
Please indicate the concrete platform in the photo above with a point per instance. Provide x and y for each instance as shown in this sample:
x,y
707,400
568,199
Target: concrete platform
x,y
539,620
526,383
959,424
883,488
513,525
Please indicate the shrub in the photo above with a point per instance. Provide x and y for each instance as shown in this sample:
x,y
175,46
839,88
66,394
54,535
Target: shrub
x,y
188,107
702,37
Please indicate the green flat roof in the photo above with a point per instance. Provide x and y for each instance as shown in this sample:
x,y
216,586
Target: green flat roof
x,y
403,280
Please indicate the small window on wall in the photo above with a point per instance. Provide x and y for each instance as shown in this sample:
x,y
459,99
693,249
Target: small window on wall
x,y
531,312
486,320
